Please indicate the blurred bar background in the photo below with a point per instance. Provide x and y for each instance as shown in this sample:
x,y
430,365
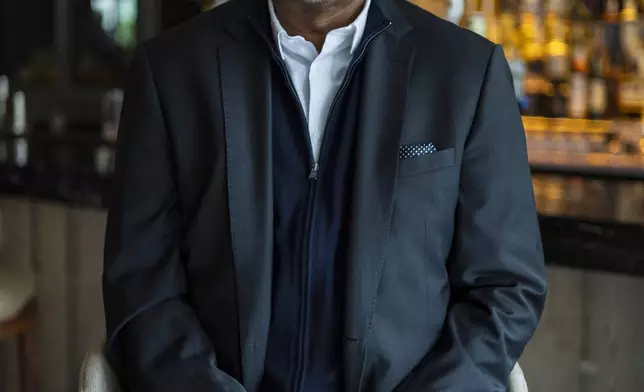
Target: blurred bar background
x,y
578,69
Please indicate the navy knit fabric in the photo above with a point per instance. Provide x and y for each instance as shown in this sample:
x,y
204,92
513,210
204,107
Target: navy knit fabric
x,y
306,332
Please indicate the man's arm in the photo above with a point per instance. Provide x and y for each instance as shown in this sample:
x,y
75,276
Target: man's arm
x,y
155,341
496,270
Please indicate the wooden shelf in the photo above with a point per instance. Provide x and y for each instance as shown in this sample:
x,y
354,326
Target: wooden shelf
x,y
568,125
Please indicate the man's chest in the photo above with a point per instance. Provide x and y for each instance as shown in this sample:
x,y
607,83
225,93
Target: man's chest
x,y
317,80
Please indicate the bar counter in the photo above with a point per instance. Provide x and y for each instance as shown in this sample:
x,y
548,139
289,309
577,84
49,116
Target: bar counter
x,y
597,165
590,220
592,230
594,223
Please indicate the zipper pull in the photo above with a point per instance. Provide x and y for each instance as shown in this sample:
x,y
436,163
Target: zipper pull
x,y
314,172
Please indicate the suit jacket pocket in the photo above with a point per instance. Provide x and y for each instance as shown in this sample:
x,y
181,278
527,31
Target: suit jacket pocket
x,y
425,163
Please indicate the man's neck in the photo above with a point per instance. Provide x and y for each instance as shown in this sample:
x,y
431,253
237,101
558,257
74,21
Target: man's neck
x,y
313,21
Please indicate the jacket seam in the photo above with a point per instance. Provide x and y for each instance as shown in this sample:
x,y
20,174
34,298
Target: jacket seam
x,y
383,246
479,100
167,133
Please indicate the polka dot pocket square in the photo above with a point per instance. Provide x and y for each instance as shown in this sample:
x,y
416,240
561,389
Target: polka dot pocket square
x,y
416,150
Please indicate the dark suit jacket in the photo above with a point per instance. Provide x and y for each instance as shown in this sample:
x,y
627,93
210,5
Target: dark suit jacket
x,y
445,277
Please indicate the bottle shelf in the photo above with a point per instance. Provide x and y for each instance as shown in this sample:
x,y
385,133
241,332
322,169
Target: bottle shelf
x,y
570,125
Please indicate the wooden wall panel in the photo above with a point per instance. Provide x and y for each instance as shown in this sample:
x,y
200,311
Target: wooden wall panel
x,y
551,360
52,282
614,357
591,338
15,249
86,255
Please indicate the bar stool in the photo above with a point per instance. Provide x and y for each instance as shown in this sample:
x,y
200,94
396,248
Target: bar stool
x,y
20,328
97,376
18,319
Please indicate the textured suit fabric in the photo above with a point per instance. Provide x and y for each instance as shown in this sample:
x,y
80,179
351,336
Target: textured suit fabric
x,y
311,221
444,275
97,376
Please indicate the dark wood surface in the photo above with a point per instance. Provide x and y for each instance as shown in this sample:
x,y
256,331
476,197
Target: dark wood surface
x,y
590,339
601,199
20,324
597,165
593,222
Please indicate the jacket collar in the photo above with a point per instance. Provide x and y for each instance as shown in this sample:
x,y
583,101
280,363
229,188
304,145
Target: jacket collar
x,y
380,12
352,32
245,77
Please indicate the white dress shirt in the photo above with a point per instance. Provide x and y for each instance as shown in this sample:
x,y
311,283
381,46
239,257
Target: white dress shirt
x,y
317,76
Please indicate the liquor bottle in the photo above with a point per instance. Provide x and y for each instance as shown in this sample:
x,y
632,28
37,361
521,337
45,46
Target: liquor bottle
x,y
4,119
4,98
477,20
454,11
493,30
553,9
597,86
19,128
557,68
510,44
111,106
629,34
610,12
580,19
578,86
110,116
19,113
482,19
630,95
532,52
612,67
640,142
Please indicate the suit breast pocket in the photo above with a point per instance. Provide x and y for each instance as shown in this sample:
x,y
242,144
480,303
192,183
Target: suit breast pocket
x,y
426,163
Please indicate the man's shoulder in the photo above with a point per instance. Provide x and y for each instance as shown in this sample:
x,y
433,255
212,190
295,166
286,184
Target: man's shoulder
x,y
436,39
190,38
444,41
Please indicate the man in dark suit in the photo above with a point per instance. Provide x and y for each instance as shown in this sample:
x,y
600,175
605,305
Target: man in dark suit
x,y
320,196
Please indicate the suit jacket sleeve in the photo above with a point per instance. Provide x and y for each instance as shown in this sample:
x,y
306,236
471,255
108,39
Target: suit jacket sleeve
x,y
496,269
155,341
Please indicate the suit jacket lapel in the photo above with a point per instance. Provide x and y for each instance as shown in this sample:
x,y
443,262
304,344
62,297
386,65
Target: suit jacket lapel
x,y
386,78
245,84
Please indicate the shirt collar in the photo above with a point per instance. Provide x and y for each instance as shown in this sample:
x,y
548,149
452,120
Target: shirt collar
x,y
356,28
